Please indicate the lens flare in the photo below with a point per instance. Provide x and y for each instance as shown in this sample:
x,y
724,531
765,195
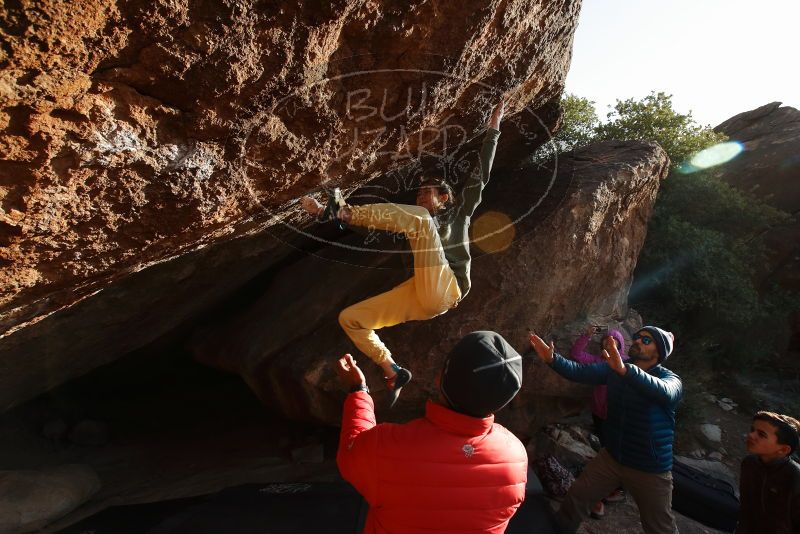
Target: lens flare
x,y
711,157
493,232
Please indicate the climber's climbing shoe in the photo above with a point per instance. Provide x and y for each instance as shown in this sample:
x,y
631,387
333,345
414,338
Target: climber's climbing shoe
x,y
395,383
334,204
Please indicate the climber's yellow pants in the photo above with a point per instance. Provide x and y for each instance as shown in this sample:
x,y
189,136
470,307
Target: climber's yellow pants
x,y
430,292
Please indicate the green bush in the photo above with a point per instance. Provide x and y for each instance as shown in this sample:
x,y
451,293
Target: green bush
x,y
580,123
698,269
654,119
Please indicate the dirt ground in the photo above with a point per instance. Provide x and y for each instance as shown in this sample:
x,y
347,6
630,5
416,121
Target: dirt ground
x,y
623,518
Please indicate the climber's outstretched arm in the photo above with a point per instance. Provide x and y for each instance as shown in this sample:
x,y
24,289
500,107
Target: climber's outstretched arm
x,y
471,194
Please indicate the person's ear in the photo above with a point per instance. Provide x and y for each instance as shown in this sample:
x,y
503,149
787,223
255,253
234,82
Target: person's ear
x,y
785,450
440,398
443,198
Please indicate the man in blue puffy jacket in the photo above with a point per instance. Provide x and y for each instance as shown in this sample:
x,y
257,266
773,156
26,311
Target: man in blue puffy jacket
x,y
639,431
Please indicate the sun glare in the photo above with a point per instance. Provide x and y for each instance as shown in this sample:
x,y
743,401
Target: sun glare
x,y
712,156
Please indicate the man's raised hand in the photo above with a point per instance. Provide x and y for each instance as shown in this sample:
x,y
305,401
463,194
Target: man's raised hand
x,y
543,350
614,360
349,373
497,115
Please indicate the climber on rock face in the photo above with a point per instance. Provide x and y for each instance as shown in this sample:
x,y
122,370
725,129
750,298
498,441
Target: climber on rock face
x,y
440,249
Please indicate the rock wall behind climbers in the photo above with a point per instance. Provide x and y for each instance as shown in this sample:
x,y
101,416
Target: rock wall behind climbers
x,y
550,246
148,145
769,169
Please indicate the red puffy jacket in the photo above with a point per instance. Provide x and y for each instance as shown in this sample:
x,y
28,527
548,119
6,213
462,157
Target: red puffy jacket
x,y
444,473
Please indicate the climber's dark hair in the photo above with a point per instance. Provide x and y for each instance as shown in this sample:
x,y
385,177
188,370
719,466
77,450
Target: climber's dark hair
x,y
442,187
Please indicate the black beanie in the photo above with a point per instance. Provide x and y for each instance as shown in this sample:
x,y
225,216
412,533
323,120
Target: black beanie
x,y
481,374
664,341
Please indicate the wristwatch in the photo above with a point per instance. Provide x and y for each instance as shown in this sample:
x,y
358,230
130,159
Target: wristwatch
x,y
359,387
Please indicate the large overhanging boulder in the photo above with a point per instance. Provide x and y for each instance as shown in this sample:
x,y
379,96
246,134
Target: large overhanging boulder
x,y
148,145
550,246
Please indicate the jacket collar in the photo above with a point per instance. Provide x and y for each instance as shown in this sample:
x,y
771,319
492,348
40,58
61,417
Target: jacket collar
x,y
457,423
777,464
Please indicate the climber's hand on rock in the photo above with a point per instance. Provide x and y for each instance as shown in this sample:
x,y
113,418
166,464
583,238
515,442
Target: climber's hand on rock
x,y
312,206
349,373
497,115
543,350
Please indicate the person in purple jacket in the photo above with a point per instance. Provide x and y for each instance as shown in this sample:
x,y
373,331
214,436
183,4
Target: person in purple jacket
x,y
599,394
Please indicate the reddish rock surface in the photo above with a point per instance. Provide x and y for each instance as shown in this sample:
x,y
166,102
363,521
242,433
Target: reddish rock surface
x,y
141,137
570,251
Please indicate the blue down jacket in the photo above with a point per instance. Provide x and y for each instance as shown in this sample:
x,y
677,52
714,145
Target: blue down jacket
x,y
640,427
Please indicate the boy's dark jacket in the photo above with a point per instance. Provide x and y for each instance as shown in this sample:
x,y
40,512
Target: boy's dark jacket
x,y
770,497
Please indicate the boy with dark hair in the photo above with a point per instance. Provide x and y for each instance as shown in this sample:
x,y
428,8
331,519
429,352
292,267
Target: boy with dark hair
x,y
441,256
770,480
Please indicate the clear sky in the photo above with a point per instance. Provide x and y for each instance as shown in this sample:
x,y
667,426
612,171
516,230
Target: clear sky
x,y
716,57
